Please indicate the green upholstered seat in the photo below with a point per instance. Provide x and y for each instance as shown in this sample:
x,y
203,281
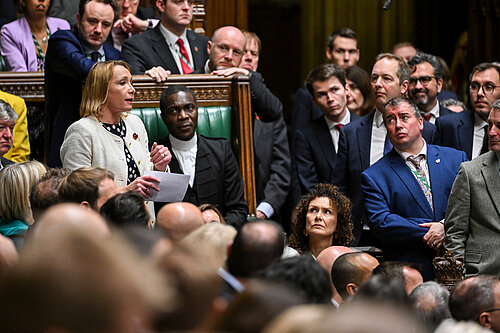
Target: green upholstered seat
x,y
213,121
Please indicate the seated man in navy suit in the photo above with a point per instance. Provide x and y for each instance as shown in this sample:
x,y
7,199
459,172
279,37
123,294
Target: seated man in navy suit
x,y
406,192
467,130
210,163
169,48
316,145
70,55
426,82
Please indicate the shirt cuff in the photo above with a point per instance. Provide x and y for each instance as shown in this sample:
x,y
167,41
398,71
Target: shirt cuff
x,y
266,208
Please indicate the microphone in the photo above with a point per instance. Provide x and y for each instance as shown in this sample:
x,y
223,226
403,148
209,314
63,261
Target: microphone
x,y
387,4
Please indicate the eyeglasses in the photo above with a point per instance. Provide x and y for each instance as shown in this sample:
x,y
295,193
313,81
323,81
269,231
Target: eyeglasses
x,y
425,80
487,88
179,2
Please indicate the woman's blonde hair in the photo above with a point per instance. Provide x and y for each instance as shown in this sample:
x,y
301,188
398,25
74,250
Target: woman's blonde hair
x,y
16,182
95,91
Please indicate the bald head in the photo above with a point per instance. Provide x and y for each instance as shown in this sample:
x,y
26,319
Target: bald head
x,y
71,214
326,259
226,48
350,271
413,278
179,219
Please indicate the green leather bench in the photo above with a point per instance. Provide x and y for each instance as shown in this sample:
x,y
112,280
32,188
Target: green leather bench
x,y
213,121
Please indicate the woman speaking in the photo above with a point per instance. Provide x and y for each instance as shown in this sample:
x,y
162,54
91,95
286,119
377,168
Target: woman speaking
x,y
107,136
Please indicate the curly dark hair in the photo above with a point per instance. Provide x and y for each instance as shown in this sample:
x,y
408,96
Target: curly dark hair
x,y
342,204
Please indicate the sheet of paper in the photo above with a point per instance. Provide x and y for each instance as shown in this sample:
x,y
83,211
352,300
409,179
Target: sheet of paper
x,y
172,186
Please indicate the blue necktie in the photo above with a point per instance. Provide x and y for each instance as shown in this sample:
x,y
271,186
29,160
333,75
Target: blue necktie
x,y
95,56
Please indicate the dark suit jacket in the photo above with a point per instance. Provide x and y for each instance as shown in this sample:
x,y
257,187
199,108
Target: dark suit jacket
x,y
217,180
304,110
66,68
272,163
456,130
445,94
150,49
5,161
315,154
264,103
396,204
143,13
353,158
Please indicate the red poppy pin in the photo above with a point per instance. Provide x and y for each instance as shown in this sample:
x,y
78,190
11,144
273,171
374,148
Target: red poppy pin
x,y
196,49
135,136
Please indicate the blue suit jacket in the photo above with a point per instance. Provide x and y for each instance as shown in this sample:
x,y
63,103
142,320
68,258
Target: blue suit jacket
x,y
66,68
353,158
396,204
457,131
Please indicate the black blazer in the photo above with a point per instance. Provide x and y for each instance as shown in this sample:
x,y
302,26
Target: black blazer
x,y
457,131
5,162
217,179
149,49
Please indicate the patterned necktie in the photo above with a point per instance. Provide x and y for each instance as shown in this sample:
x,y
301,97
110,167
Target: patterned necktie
x,y
185,62
427,116
421,177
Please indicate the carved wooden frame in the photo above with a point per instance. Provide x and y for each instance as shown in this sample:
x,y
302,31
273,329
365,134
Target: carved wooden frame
x,y
210,90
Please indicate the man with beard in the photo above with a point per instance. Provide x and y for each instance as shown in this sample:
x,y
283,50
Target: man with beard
x,y
426,82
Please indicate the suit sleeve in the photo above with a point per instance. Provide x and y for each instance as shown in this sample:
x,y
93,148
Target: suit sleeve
x,y
68,59
456,223
267,106
132,54
76,150
11,50
388,227
236,208
278,185
307,174
302,109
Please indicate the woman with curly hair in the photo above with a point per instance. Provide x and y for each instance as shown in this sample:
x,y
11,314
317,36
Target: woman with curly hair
x,y
323,219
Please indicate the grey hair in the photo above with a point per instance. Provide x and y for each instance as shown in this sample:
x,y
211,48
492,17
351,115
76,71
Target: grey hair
x,y
421,57
397,101
496,104
450,102
431,301
7,113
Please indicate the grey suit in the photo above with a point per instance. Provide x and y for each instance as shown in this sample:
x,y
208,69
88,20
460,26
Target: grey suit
x,y
473,218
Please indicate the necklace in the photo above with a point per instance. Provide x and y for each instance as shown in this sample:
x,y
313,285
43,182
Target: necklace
x,y
44,41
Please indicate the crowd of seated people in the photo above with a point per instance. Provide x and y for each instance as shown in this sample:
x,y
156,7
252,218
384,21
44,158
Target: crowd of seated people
x,y
385,157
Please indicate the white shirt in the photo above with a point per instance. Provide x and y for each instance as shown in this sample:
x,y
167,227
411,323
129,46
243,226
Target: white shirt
x,y
334,131
171,40
185,151
434,113
478,138
379,133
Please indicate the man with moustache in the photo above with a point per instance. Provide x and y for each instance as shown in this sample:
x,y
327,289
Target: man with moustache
x,y
363,142
473,217
467,131
406,191
426,82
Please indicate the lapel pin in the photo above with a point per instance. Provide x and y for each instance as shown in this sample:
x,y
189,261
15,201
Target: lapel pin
x,y
196,49
438,161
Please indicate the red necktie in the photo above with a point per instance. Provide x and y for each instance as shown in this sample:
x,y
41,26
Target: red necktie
x,y
184,61
427,116
339,126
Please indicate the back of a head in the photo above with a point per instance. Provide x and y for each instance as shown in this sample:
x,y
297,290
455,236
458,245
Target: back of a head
x,y
179,219
256,306
256,245
305,275
351,268
83,185
126,209
472,296
381,289
407,273
452,326
431,302
328,256
70,280
300,318
45,194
